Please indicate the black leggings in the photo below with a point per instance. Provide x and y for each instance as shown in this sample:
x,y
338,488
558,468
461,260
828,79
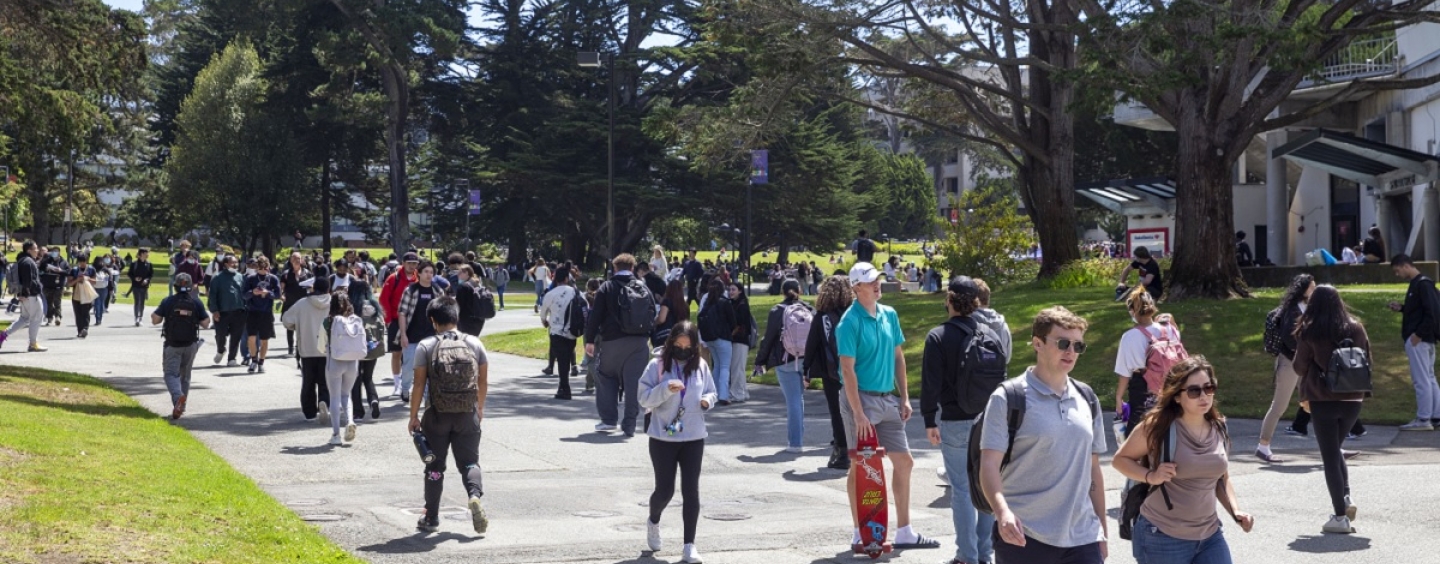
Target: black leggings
x,y
1302,423
82,315
665,455
562,352
365,383
833,389
1331,420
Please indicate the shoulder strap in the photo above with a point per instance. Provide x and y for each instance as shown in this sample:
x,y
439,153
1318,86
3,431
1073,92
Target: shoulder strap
x,y
1090,397
1015,413
1146,332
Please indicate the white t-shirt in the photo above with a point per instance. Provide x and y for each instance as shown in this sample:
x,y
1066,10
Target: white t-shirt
x,y
542,274
1133,346
658,265
554,308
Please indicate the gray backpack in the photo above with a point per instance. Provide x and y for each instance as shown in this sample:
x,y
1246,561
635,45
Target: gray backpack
x,y
452,377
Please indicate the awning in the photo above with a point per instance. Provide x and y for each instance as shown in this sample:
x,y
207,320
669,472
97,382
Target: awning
x,y
1117,195
1367,162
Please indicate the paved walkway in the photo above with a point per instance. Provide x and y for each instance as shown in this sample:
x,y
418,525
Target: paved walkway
x,y
557,492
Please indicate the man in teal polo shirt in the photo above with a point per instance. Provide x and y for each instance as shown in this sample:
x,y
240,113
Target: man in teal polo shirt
x,y
877,400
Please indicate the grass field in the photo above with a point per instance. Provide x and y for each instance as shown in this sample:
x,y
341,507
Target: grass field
x,y
87,475
1229,334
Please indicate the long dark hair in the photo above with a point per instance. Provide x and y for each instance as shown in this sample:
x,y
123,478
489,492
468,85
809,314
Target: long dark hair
x,y
1296,292
675,294
681,329
715,290
1327,318
1167,407
340,304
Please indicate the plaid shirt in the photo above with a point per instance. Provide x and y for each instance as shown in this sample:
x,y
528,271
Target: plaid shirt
x,y
411,297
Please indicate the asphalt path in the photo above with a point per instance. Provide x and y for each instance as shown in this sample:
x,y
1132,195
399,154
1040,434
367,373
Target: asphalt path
x,y
558,492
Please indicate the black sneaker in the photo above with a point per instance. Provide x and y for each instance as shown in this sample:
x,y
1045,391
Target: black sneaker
x,y
374,409
427,526
1297,432
839,460
548,371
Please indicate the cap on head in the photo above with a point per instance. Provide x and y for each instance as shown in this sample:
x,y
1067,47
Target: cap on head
x,y
863,273
964,285
412,257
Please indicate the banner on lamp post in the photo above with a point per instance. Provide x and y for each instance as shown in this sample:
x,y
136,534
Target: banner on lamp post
x,y
759,166
474,206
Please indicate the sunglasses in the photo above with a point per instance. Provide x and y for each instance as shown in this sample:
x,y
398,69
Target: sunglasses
x,y
1194,391
1066,344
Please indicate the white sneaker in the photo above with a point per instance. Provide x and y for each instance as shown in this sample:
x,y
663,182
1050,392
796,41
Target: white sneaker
x,y
1417,425
652,535
1339,524
335,440
477,516
794,450
350,433
220,356
233,362
690,555
324,412
603,428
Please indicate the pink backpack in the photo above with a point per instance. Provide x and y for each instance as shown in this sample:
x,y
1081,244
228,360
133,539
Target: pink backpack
x,y
795,329
1160,355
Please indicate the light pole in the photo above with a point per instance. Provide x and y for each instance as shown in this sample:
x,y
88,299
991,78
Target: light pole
x,y
592,59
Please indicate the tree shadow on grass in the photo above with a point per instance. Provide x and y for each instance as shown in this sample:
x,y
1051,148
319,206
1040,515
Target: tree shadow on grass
x,y
84,408
417,543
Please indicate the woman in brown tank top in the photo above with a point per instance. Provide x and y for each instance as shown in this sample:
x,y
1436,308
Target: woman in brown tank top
x,y
1186,530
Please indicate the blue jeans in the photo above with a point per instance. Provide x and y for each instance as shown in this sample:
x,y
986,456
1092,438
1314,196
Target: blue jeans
x,y
539,292
792,385
1154,547
973,542
407,368
720,356
102,299
500,294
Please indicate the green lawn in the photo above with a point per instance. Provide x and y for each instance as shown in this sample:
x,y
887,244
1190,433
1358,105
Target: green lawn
x,y
87,475
1229,333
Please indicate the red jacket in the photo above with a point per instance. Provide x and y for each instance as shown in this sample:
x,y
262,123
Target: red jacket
x,y
390,293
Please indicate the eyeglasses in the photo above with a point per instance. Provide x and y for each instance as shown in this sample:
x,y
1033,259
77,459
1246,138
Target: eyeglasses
x,y
1194,391
1066,344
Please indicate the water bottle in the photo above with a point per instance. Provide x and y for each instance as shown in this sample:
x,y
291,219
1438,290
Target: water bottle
x,y
1120,422
422,446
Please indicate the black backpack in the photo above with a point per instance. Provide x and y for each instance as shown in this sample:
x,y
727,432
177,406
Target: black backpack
x,y
709,321
486,301
1349,369
982,367
637,308
575,315
1134,494
182,325
1273,341
1014,415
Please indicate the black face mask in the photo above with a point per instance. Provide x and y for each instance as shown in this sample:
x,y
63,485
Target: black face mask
x,y
683,354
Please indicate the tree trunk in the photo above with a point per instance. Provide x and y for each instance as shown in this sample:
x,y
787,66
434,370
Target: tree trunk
x,y
1048,186
325,206
39,213
516,254
398,90
1204,263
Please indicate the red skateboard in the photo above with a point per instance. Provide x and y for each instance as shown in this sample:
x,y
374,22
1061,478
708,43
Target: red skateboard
x,y
868,458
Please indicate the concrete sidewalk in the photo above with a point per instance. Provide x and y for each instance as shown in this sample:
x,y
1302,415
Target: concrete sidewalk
x,y
558,492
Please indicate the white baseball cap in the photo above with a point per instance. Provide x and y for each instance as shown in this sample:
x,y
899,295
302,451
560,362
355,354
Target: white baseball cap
x,y
863,273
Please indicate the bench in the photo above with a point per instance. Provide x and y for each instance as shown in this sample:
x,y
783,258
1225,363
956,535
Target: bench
x,y
1338,275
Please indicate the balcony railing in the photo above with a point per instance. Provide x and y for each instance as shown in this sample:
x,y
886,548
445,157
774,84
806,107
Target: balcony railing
x,y
1364,58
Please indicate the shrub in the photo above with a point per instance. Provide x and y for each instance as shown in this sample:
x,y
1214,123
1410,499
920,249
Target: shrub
x,y
990,239
1094,273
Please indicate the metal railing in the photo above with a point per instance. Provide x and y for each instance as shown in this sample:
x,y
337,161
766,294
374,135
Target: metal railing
x,y
1363,58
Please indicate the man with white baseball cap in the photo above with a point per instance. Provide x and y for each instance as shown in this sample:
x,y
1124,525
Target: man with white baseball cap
x,y
877,399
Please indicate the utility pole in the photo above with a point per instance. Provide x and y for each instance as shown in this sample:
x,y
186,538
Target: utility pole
x,y
70,198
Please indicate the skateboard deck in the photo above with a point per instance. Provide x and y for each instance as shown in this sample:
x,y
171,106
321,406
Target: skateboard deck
x,y
874,519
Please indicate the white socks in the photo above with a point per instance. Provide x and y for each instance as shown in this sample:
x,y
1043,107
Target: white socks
x,y
1265,449
905,535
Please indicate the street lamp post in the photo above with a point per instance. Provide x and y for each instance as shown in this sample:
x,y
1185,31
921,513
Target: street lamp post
x,y
591,59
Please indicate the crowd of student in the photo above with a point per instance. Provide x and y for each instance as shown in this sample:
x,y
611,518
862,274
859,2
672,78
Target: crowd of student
x,y
1021,452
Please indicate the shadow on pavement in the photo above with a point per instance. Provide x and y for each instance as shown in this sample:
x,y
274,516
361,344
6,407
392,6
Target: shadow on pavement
x,y
418,542
593,438
1292,468
1330,543
781,456
819,475
308,450
252,424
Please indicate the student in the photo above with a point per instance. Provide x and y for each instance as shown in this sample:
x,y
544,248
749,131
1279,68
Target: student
x,y
1182,526
83,295
673,309
53,274
541,275
30,293
183,315
1373,247
1419,324
455,368
141,271
346,346
1243,255
877,400
292,291
1049,501
307,320
740,344
626,347
716,322
227,305
390,294
863,248
555,315
784,338
1149,272
1327,321
501,277
1292,305
988,317
955,387
677,389
414,327
106,275
693,272
1138,385
374,321
260,292
822,360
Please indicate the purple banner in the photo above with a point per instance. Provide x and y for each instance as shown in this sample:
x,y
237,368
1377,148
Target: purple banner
x,y
474,207
759,166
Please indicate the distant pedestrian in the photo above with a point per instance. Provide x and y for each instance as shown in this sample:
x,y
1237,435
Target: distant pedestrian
x,y
623,314
716,322
454,368
541,275
183,315
501,276
54,277
745,337
822,360
864,248
557,315
29,291
1373,247
141,272
227,305
107,274
677,389
1148,270
259,292
82,294
787,333
346,347
307,320
477,304
375,336
1419,327
1284,317
1326,324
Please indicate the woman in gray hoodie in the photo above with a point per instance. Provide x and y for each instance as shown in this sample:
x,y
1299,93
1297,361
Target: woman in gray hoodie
x,y
307,320
677,389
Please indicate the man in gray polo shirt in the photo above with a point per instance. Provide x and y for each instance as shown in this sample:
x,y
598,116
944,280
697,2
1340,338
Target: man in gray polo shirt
x,y
1050,500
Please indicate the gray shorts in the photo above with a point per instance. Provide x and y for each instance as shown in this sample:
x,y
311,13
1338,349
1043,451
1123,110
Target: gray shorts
x,y
884,414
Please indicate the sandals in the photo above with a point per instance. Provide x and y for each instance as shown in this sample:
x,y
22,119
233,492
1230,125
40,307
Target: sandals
x,y
921,541
1268,458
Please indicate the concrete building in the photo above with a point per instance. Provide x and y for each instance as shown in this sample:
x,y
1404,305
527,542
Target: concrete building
x,y
1369,160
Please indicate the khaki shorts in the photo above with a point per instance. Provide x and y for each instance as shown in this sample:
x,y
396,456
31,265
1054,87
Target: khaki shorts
x,y
884,414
